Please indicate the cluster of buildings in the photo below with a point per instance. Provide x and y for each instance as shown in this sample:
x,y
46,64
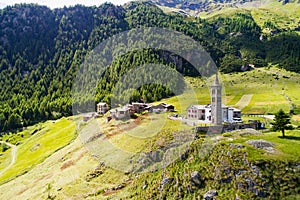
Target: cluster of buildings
x,y
214,113
130,109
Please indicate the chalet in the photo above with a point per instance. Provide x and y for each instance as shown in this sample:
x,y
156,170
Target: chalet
x,y
102,108
157,109
88,116
138,107
121,113
162,108
168,107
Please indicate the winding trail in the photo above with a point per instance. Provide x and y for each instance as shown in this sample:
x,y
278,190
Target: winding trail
x,y
13,156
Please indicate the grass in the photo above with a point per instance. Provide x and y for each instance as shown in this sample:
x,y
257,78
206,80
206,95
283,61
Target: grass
x,y
41,145
197,92
244,101
282,16
124,139
261,119
215,167
269,88
5,159
296,120
287,148
144,134
138,138
17,138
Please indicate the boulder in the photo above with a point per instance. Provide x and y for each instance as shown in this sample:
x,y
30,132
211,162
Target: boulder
x,y
210,195
165,181
196,178
262,144
249,132
144,186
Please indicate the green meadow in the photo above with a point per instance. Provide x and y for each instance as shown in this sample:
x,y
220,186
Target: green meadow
x,y
286,148
266,90
35,149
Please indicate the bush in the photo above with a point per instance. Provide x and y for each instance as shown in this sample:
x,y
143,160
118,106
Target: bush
x,y
4,147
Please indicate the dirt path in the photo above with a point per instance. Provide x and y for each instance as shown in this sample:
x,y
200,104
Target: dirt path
x,y
244,101
13,156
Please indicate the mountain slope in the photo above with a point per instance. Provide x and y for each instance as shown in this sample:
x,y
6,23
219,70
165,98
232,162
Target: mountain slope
x,y
198,6
41,50
232,167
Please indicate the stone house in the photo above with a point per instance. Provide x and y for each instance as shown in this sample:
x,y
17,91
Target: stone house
x,y
121,113
102,108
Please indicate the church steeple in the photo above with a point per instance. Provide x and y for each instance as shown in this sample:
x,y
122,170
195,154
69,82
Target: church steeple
x,y
216,102
217,83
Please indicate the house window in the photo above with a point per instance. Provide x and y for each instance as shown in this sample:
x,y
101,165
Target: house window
x,y
213,99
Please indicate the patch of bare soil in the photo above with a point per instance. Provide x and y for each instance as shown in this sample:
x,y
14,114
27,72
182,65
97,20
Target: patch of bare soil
x,y
67,164
127,127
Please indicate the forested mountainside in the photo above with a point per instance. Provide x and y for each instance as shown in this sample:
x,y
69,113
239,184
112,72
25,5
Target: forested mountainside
x,y
41,50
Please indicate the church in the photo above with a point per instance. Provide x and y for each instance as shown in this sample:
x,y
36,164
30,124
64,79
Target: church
x,y
215,112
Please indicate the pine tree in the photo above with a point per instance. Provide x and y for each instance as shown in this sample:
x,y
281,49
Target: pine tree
x,y
281,122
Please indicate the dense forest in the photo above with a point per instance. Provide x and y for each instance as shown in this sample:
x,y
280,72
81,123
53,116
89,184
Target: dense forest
x,y
41,50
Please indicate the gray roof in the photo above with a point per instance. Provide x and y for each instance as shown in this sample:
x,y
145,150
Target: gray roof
x,y
200,106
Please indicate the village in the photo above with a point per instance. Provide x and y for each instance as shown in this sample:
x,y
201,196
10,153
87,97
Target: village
x,y
201,116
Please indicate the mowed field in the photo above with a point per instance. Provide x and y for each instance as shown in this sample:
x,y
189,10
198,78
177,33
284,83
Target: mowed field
x,y
270,89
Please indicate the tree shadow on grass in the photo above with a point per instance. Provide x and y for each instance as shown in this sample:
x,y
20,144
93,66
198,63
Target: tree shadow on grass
x,y
290,137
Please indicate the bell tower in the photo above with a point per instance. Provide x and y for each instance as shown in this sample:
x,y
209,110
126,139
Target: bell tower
x,y
216,102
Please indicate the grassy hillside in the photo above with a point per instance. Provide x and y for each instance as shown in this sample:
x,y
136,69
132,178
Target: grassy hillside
x,y
270,89
74,172
229,170
44,141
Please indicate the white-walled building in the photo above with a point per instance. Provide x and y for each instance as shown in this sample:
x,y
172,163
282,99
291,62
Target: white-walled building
x,y
203,113
199,112
102,108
